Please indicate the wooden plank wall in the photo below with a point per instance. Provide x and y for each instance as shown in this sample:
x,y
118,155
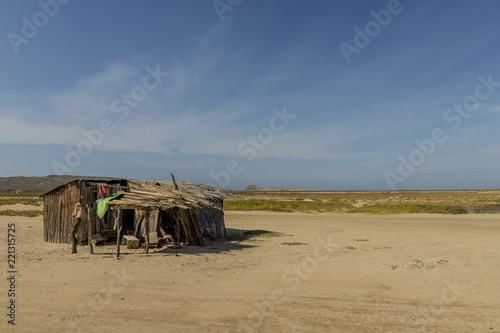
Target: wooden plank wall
x,y
69,199
152,221
50,211
190,226
85,198
58,208
219,222
219,219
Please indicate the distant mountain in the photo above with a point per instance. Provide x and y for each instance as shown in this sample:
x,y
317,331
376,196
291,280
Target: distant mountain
x,y
41,184
253,187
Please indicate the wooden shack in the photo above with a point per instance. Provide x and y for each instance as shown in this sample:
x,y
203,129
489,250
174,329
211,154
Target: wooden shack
x,y
192,212
59,204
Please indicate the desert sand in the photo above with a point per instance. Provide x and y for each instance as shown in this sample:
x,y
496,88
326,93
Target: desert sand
x,y
327,273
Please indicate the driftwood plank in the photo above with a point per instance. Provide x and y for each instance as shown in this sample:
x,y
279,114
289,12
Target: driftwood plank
x,y
89,227
178,231
146,231
118,223
76,224
175,183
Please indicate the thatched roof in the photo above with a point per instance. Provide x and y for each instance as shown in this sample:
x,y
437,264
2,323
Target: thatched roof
x,y
160,197
204,192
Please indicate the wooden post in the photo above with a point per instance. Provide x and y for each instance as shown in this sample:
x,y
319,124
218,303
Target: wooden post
x,y
173,180
137,230
89,227
178,232
146,230
77,217
118,223
98,222
76,223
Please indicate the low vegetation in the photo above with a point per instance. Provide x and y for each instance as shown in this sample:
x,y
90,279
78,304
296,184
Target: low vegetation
x,y
485,209
361,202
369,202
22,201
285,206
26,213
410,209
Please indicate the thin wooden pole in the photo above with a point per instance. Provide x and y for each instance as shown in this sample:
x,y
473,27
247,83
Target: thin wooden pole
x,y
118,223
146,229
76,222
89,227
178,232
73,237
175,183
77,217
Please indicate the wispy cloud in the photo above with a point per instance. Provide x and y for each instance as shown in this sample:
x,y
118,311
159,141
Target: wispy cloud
x,y
23,132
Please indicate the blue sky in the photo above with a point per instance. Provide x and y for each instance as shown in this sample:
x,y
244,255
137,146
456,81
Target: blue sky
x,y
253,92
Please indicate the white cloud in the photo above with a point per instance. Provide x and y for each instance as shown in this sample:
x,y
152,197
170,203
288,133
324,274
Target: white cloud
x,y
318,142
113,76
91,96
21,132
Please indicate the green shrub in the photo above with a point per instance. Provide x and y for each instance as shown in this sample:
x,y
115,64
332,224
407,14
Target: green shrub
x,y
410,209
285,206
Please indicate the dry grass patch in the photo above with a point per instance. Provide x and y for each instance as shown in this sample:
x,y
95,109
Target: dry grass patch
x,y
274,205
410,209
26,213
22,201
367,202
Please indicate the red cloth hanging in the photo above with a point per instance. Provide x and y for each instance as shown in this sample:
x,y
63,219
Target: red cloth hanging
x,y
102,191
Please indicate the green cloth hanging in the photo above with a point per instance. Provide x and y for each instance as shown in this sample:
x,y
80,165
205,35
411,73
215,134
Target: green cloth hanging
x,y
102,204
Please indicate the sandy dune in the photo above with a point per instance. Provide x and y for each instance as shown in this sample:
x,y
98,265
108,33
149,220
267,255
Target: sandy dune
x,y
353,273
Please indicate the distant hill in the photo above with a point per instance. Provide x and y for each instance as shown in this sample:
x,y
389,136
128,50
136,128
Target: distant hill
x,y
253,187
41,184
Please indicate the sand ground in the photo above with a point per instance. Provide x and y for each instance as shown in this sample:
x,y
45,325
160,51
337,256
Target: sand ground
x,y
352,273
